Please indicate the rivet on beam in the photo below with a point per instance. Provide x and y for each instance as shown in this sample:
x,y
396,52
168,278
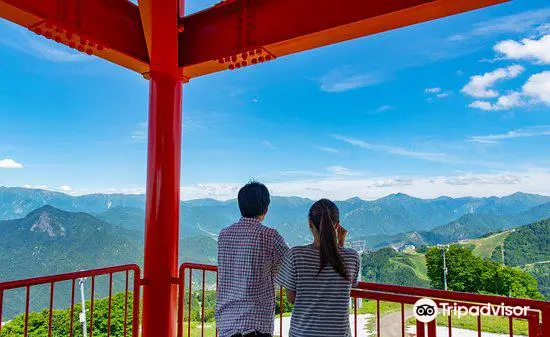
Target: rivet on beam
x,y
241,60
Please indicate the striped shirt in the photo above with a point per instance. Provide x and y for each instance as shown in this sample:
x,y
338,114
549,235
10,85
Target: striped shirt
x,y
321,307
249,255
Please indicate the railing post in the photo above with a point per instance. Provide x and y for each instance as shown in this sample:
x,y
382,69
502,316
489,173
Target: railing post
x,y
545,325
420,329
432,329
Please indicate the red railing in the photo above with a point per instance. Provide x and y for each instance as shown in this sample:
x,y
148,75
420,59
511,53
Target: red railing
x,y
538,316
193,275
186,279
127,272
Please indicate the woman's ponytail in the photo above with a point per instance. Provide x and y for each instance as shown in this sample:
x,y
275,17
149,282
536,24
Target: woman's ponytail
x,y
324,215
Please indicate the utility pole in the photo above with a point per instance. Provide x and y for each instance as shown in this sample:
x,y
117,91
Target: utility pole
x,y
502,253
444,269
83,312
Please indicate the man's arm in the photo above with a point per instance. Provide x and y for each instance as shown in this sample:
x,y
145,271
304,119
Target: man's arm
x,y
279,250
286,277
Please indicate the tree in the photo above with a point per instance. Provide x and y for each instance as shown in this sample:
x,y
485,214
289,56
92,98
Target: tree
x,y
464,269
470,273
61,319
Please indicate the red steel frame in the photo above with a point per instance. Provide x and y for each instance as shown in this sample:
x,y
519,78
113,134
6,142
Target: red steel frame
x,y
155,39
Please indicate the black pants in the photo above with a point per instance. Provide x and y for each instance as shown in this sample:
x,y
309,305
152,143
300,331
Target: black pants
x,y
254,334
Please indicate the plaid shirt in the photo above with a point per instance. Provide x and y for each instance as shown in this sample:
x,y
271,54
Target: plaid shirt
x,y
249,255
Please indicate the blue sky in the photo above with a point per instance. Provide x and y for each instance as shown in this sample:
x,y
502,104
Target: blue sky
x,y
458,106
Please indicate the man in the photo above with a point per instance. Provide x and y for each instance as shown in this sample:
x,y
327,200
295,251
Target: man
x,y
249,255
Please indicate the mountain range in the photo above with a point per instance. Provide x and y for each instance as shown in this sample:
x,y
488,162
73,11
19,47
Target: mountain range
x,y
468,226
50,241
386,217
43,232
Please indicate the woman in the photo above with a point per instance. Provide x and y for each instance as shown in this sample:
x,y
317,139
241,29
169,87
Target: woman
x,y
318,277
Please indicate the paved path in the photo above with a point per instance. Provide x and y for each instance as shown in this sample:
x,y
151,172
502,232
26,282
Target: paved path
x,y
444,332
390,325
362,321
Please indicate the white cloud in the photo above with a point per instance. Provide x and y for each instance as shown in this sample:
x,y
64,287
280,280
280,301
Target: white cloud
x,y
390,182
345,187
432,90
345,79
268,144
436,92
537,51
10,164
516,23
460,185
300,173
487,179
140,133
65,188
24,41
535,90
482,105
432,156
36,187
125,190
512,100
340,171
480,86
219,191
538,87
385,107
328,149
536,131
335,171
543,29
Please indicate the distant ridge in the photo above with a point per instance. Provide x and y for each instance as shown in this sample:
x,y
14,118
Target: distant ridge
x,y
389,216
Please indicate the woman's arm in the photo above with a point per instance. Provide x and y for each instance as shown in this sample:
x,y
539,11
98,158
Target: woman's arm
x,y
342,233
290,296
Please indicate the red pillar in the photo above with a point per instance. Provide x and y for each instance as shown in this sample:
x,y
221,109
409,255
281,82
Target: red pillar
x,y
163,170
162,208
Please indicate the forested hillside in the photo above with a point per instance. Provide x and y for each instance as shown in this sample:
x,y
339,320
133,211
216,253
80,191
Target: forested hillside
x,y
527,244
389,266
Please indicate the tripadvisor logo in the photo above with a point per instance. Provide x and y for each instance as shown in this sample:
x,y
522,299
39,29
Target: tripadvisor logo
x,y
426,310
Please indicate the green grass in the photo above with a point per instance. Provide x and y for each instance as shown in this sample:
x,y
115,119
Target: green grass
x,y
369,307
492,324
196,331
484,247
419,262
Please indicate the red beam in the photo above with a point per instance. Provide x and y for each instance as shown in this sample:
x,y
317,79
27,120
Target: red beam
x,y
281,27
109,29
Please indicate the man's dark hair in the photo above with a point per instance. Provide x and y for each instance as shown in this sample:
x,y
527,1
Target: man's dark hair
x,y
253,199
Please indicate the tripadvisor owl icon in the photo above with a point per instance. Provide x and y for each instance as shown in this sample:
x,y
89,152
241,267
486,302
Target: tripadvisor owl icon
x,y
425,310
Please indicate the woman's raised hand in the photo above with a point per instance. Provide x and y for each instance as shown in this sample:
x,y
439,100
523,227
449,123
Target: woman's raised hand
x,y
341,233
